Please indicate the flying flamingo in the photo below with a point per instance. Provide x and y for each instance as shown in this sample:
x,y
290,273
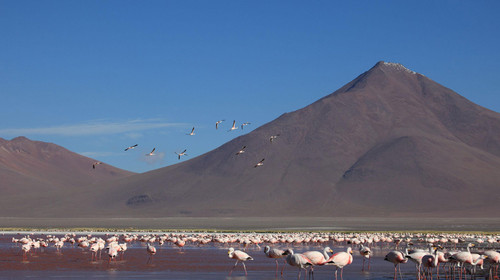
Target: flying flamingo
x,y
217,123
181,154
340,260
275,254
244,124
95,164
396,258
152,152
260,163
239,256
234,127
273,137
131,147
191,133
241,151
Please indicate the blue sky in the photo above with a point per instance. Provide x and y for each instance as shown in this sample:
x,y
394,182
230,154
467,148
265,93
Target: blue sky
x,y
98,76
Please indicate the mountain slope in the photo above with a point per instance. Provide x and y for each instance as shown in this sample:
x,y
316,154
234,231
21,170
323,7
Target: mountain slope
x,y
390,143
32,171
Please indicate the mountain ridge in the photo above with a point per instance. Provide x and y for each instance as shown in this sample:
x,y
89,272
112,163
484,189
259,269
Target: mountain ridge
x,y
391,142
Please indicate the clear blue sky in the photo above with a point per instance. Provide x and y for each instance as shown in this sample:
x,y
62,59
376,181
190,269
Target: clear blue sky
x,y
98,76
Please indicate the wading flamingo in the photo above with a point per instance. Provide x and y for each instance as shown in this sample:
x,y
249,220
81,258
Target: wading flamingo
x,y
275,254
239,256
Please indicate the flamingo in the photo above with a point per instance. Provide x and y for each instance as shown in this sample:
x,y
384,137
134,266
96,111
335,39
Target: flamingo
x,y
95,164
244,124
366,252
217,123
430,261
191,133
234,127
152,152
59,245
183,153
493,257
463,257
131,147
318,258
240,256
112,253
123,248
298,260
340,260
26,248
396,258
94,248
273,137
151,251
260,163
241,151
416,257
275,254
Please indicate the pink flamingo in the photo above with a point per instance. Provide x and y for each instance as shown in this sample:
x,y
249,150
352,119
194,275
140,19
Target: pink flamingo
x,y
340,260
297,260
275,254
240,256
396,258
318,258
151,251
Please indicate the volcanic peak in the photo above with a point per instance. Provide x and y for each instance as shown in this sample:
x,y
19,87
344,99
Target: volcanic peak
x,y
396,66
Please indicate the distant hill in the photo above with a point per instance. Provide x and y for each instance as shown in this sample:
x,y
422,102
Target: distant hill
x,y
35,174
391,142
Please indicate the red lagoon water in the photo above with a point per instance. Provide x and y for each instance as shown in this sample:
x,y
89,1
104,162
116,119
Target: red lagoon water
x,y
192,262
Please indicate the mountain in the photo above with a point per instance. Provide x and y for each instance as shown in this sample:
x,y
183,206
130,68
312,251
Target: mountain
x,y
391,143
33,172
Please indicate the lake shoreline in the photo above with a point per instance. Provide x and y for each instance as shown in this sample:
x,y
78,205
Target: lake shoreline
x,y
264,224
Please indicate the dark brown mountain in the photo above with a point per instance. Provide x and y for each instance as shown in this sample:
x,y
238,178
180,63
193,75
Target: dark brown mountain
x,y
390,143
34,173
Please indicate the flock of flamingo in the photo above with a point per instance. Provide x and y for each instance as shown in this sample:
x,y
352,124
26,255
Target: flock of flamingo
x,y
183,153
441,255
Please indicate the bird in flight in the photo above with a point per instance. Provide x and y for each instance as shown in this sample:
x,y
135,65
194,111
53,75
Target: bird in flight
x,y
273,137
131,147
260,163
181,154
234,126
241,151
192,132
243,124
152,152
95,164
217,123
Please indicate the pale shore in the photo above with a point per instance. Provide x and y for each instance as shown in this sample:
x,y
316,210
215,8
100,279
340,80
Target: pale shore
x,y
261,223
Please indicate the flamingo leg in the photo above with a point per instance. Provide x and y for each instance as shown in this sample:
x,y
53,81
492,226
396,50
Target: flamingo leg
x,y
233,268
400,275
282,269
244,268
